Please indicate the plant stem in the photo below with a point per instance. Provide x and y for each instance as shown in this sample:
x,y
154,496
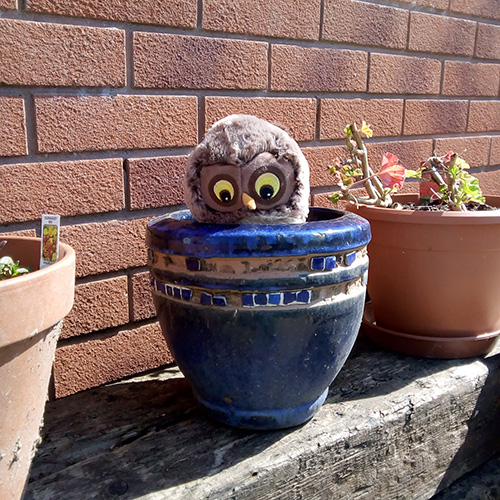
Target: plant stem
x,y
377,192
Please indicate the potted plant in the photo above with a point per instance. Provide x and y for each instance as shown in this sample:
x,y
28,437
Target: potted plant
x,y
32,305
434,278
259,302
260,318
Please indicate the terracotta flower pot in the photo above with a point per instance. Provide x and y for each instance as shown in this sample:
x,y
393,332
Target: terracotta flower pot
x,y
434,280
260,318
31,309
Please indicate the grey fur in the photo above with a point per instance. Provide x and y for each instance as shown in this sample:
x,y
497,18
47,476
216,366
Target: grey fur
x,y
236,140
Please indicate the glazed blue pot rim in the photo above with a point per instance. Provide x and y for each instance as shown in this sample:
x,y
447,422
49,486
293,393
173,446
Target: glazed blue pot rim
x,y
326,231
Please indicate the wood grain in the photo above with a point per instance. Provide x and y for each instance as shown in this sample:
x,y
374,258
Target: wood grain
x,y
393,427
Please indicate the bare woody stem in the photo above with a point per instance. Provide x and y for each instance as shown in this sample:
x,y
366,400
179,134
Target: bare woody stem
x,y
431,166
375,192
455,202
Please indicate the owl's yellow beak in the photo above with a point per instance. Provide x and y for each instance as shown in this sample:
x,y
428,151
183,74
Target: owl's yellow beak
x,y
248,201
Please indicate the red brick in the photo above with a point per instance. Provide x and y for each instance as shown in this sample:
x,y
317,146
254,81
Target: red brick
x,y
484,116
495,151
424,117
64,188
297,116
404,74
365,24
385,116
12,127
482,8
107,246
441,34
91,123
437,4
489,182
474,150
471,79
178,13
191,62
54,54
25,232
308,69
142,299
156,182
8,4
98,305
275,18
488,41
93,362
320,158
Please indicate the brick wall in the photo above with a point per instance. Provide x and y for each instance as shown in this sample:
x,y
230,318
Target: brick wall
x,y
101,101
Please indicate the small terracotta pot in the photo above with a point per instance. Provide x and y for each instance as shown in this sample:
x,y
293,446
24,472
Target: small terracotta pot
x,y
434,280
31,309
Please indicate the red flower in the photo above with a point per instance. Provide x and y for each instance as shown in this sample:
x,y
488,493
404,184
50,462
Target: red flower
x,y
392,174
447,158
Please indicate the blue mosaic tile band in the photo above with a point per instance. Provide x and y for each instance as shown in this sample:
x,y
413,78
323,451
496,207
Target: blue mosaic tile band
x,y
324,263
220,300
276,298
193,264
330,262
172,291
206,299
247,299
350,258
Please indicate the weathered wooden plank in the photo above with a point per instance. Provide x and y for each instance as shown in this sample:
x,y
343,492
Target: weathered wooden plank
x,y
393,427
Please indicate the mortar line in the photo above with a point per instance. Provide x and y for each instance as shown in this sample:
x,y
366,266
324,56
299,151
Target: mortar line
x,y
317,135
201,118
199,14
269,66
321,19
129,58
404,117
31,132
188,31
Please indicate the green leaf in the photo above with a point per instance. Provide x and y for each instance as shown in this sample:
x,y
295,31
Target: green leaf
x,y
7,261
334,198
10,269
414,174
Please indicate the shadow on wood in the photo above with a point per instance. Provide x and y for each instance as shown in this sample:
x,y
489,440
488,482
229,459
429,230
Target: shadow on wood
x,y
393,426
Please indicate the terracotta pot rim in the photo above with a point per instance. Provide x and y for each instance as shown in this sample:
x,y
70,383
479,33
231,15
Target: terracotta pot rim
x,y
66,256
369,321
421,217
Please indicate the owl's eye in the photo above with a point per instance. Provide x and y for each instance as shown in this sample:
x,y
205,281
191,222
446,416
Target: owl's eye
x,y
224,191
267,185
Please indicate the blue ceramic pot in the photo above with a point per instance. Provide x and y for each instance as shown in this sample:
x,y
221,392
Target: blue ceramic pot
x,y
260,318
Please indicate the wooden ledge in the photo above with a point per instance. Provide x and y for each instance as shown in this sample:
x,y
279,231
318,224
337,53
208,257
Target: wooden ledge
x,y
393,426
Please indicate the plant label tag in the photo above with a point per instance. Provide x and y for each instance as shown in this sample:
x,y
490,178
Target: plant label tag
x,y
50,240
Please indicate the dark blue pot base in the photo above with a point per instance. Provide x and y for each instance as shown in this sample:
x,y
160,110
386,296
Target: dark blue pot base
x,y
262,419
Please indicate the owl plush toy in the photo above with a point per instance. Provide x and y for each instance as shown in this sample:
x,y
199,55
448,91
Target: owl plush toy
x,y
247,170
